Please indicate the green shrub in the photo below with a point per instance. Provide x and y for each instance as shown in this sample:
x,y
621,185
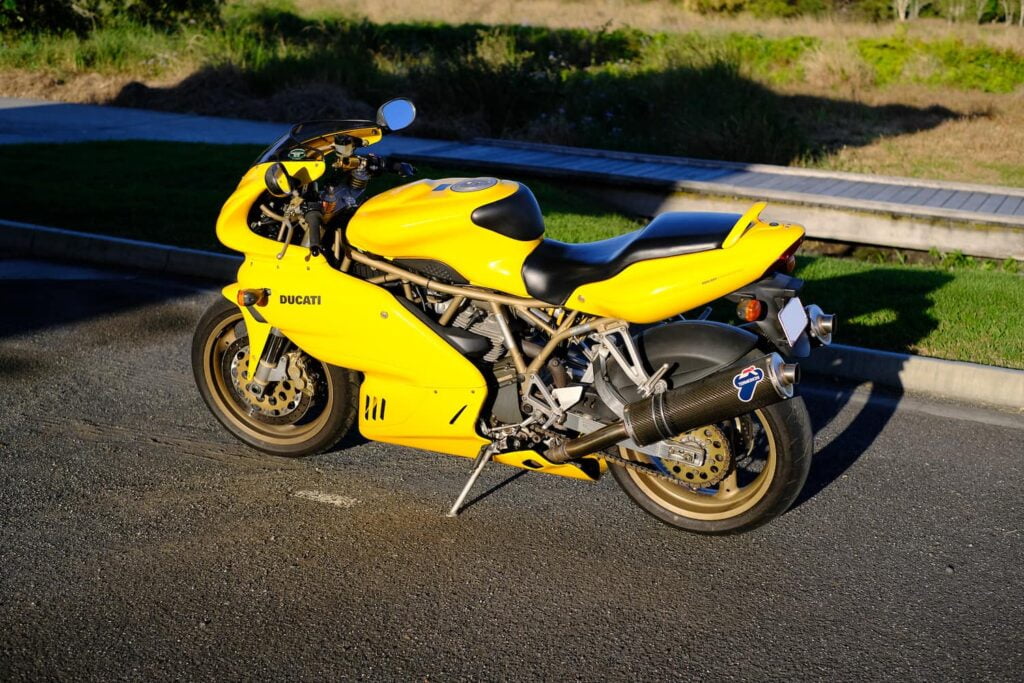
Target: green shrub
x,y
887,56
866,10
720,6
764,8
776,60
976,67
787,8
945,62
83,15
41,15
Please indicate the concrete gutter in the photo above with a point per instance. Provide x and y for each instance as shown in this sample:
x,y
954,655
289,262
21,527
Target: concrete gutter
x,y
971,382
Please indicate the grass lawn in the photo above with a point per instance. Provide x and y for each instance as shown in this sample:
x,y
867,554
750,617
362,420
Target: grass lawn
x,y
172,192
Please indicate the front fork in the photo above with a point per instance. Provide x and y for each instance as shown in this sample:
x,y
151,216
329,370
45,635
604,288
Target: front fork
x,y
268,369
266,343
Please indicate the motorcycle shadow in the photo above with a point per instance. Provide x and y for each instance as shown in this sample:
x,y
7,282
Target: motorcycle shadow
x,y
825,403
865,414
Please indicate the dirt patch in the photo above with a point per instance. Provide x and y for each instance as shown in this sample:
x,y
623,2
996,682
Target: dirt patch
x,y
212,91
224,91
983,144
87,88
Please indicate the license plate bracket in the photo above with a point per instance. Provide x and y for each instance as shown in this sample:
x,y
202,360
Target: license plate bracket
x,y
793,319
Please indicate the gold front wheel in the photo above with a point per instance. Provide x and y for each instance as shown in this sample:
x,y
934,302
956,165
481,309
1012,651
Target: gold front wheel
x,y
306,411
764,457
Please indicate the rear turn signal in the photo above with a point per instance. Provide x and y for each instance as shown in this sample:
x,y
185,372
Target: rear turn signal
x,y
749,310
253,297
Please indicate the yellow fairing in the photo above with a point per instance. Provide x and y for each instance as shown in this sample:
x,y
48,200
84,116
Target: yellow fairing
x,y
428,220
419,382
232,225
650,291
416,384
417,390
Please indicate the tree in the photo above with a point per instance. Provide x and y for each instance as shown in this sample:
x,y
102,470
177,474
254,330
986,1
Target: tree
x,y
916,6
954,10
902,9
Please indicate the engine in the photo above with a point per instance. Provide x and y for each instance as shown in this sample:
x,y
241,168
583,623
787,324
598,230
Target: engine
x,y
482,322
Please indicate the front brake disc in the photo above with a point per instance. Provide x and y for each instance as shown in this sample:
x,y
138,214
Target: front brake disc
x,y
283,402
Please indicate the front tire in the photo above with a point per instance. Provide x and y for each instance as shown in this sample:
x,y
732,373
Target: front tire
x,y
308,412
759,487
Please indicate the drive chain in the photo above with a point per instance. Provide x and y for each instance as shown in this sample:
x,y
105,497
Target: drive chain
x,y
647,469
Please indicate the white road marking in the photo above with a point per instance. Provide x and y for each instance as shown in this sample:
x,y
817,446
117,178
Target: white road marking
x,y
329,498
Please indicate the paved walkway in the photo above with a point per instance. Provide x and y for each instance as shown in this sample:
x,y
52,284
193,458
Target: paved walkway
x,y
905,196
36,121
24,121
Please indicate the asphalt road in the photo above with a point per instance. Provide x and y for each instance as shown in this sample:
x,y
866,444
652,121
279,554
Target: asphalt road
x,y
138,540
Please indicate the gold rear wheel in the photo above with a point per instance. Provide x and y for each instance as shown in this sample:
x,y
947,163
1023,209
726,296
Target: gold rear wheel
x,y
768,455
307,411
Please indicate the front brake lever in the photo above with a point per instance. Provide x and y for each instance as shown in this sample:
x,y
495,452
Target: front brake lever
x,y
288,228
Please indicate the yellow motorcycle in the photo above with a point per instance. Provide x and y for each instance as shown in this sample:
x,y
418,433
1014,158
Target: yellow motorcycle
x,y
437,316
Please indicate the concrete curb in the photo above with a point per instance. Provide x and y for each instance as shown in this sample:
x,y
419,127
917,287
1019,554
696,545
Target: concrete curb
x,y
45,242
970,382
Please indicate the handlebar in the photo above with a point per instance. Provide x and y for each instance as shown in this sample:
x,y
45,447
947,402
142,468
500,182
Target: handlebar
x,y
359,169
314,219
378,164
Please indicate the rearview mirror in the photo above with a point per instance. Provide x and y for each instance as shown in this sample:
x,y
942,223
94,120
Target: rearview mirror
x,y
396,114
277,180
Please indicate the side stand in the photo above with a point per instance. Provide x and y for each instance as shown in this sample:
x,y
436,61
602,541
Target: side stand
x,y
482,458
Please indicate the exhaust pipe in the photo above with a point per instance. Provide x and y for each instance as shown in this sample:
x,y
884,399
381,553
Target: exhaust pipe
x,y
724,395
821,325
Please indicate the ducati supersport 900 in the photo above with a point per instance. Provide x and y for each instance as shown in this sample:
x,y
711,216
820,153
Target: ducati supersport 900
x,y
438,316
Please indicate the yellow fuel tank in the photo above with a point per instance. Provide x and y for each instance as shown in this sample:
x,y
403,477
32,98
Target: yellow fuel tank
x,y
476,230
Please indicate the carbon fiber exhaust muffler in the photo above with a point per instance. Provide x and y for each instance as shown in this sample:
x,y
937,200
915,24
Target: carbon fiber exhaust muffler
x,y
724,395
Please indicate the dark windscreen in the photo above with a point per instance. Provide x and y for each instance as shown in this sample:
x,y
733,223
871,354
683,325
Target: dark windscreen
x,y
296,145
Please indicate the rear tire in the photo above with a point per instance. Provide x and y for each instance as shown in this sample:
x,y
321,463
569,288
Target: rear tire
x,y
737,504
324,408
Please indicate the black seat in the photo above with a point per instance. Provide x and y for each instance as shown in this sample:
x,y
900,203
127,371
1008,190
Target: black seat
x,y
554,270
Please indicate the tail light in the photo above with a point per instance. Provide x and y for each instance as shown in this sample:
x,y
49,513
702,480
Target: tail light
x,y
787,261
